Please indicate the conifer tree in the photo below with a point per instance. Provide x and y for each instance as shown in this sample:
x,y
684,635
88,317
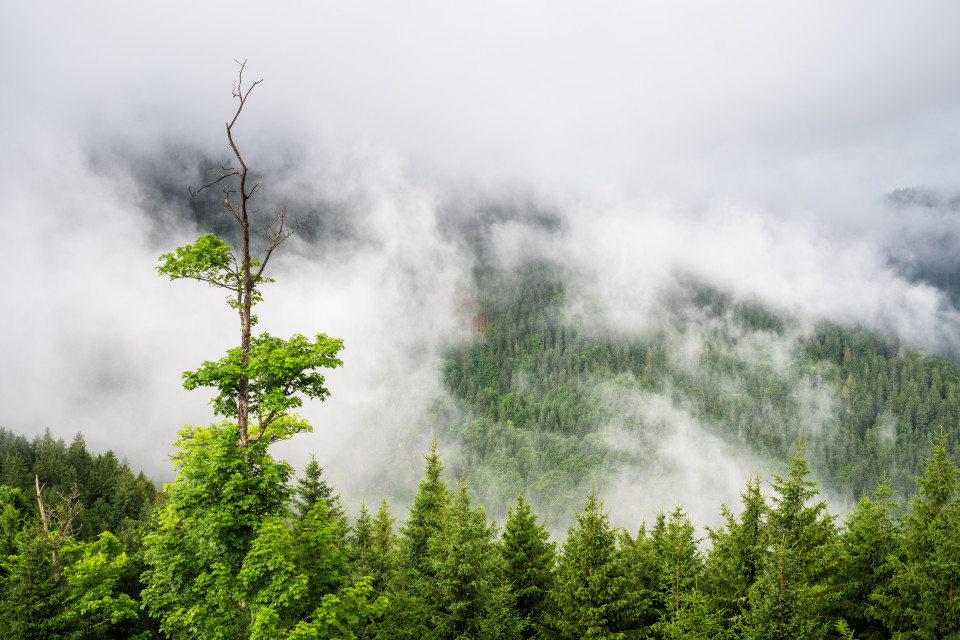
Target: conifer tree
x,y
374,557
923,597
313,487
695,619
407,610
528,559
737,551
425,516
383,547
465,587
361,542
592,599
678,563
870,543
794,594
783,605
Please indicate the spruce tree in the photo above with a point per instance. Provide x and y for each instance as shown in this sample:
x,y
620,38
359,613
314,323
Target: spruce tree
x,y
313,487
407,613
795,591
870,540
678,564
737,551
923,597
425,516
465,588
528,559
592,599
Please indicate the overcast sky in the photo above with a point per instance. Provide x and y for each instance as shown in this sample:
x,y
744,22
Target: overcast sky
x,y
752,144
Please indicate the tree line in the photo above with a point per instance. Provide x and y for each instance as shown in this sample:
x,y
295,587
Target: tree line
x,y
267,555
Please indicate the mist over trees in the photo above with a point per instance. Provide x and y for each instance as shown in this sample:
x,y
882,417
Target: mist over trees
x,y
552,399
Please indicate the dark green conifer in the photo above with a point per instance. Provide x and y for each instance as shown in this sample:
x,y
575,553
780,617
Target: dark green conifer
x,y
592,599
425,516
313,487
737,551
678,564
528,559
923,597
870,539
465,588
795,591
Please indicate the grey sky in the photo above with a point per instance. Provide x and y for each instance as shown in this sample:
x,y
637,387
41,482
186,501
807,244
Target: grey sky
x,y
749,143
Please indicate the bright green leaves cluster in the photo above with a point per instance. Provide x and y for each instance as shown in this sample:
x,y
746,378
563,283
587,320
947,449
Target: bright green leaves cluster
x,y
211,260
80,596
92,572
279,372
227,560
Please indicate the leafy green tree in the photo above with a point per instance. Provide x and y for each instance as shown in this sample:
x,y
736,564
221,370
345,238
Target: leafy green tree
x,y
71,590
528,558
224,558
261,381
592,599
224,561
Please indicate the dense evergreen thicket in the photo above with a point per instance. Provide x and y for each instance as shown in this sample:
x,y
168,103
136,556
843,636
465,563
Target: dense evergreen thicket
x,y
779,566
109,496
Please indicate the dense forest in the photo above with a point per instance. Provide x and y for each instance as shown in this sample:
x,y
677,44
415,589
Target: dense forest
x,y
779,566
540,388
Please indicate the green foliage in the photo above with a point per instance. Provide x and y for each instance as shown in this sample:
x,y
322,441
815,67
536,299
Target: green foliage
x,y
537,387
592,598
278,370
871,538
426,514
93,605
737,552
695,619
313,488
111,497
528,558
795,592
921,599
464,588
676,566
223,560
212,261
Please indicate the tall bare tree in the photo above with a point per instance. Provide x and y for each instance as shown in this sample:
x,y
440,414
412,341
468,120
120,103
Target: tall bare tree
x,y
264,375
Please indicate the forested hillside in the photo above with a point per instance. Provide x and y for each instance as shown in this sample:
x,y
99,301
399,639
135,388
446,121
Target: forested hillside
x,y
548,395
